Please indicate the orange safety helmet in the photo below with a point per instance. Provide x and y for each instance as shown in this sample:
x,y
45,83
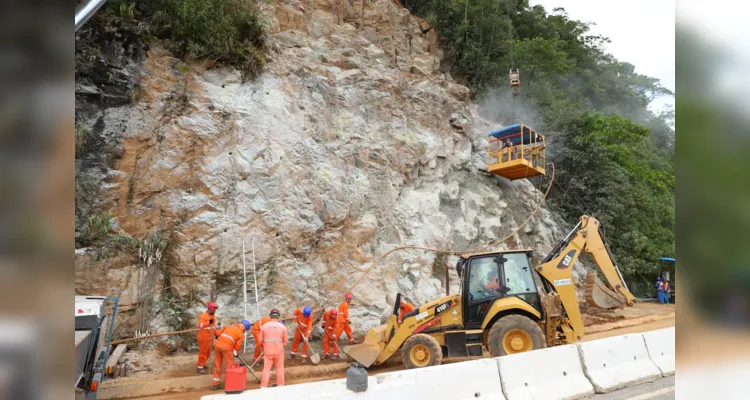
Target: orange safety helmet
x,y
213,306
334,313
348,296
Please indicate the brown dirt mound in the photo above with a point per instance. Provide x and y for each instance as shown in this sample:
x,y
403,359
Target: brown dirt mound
x,y
596,316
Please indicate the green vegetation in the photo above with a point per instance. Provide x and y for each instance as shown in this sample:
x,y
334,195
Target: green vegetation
x,y
225,31
608,167
97,228
83,133
614,158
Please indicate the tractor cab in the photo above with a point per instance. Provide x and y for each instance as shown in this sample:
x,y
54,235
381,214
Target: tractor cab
x,y
496,282
516,152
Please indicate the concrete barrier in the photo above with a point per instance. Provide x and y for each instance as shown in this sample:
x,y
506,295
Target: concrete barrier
x,y
660,346
616,362
553,373
469,380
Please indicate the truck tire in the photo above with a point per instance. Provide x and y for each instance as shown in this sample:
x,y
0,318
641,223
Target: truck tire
x,y
513,334
420,351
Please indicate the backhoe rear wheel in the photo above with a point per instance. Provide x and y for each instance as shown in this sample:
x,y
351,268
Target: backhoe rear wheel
x,y
420,351
513,334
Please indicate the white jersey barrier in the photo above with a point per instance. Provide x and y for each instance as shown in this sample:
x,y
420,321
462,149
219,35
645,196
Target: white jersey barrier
x,y
563,372
617,362
660,346
470,380
552,373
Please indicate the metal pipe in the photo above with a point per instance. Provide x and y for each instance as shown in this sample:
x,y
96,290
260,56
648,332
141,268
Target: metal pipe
x,y
244,290
111,327
86,11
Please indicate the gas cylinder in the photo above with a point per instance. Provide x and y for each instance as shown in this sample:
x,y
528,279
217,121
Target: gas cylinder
x,y
356,378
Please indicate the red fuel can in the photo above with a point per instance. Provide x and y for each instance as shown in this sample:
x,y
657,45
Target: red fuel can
x,y
236,379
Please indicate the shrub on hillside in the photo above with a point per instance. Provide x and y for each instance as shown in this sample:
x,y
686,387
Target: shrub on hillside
x,y
225,31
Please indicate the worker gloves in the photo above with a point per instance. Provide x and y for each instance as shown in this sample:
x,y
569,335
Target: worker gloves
x,y
235,353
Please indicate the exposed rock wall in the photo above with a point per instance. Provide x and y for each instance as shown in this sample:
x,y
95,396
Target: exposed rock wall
x,y
351,143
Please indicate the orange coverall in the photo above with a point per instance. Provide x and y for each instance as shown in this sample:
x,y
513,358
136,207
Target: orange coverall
x,y
230,339
256,335
330,327
494,284
273,336
406,308
346,325
304,324
204,337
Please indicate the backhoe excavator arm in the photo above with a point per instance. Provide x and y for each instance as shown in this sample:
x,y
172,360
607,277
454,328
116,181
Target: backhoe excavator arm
x,y
557,270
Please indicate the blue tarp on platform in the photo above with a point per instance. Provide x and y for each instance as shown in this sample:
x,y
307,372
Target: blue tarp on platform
x,y
667,259
514,130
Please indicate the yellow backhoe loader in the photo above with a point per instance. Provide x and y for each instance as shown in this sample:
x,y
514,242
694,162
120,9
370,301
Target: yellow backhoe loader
x,y
504,305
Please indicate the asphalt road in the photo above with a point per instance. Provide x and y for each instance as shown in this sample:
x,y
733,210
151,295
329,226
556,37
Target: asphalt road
x,y
662,389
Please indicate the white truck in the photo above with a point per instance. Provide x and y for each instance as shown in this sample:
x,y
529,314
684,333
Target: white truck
x,y
90,345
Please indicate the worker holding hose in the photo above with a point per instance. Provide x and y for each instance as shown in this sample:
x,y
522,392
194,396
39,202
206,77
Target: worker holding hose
x,y
227,345
346,326
206,320
303,320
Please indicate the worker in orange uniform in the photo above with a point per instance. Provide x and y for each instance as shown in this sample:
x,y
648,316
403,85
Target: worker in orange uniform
x,y
229,341
344,316
273,337
207,323
330,325
303,320
404,308
256,335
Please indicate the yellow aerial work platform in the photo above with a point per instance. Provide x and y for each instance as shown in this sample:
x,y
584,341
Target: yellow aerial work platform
x,y
516,152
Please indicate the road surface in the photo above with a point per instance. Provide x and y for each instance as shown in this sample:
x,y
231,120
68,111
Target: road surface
x,y
662,389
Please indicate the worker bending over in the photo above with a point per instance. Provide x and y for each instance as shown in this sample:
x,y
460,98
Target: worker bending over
x,y
330,326
256,335
346,326
229,341
273,337
206,323
404,308
303,321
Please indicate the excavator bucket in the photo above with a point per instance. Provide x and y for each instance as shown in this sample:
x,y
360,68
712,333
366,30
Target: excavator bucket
x,y
367,352
599,295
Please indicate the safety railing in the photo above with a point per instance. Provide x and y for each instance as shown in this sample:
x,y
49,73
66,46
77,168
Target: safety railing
x,y
500,152
85,11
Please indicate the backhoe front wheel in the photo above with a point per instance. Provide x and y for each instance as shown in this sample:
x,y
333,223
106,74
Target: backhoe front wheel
x,y
421,350
513,334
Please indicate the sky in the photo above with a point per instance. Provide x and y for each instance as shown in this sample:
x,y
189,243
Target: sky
x,y
642,33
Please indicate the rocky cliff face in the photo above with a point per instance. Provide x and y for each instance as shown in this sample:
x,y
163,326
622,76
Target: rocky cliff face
x,y
351,143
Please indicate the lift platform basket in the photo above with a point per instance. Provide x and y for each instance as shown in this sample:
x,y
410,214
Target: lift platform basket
x,y
516,152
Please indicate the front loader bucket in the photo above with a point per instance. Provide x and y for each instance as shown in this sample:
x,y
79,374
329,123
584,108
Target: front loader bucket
x,y
363,353
599,295
366,353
